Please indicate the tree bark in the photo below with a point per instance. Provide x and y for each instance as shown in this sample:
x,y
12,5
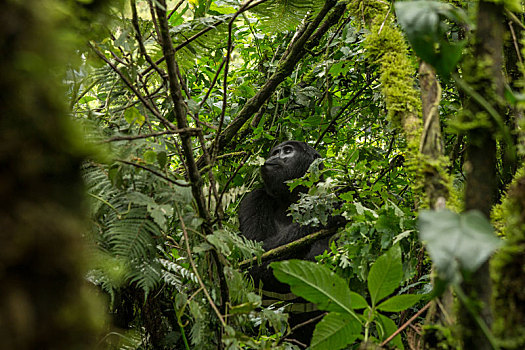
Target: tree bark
x,y
44,300
484,73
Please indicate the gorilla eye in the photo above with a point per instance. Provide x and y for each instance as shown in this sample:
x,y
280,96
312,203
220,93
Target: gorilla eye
x,y
288,150
276,152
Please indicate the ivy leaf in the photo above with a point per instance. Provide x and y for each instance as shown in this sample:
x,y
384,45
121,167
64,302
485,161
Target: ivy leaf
x,y
457,241
385,275
399,302
335,331
423,24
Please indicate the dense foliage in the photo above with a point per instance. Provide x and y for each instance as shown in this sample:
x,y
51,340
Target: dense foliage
x,y
181,102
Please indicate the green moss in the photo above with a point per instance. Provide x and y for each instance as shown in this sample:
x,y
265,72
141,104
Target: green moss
x,y
439,337
508,267
368,11
386,46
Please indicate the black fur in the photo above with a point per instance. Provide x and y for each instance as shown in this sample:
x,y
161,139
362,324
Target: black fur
x,y
263,217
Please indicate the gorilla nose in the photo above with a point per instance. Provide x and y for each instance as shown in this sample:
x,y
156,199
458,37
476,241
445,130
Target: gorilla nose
x,y
273,162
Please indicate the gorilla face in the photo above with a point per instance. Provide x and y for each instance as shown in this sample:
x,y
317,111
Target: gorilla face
x,y
288,160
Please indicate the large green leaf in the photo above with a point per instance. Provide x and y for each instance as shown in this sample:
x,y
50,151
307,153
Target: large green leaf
x,y
399,302
335,331
457,240
387,327
315,283
385,275
423,22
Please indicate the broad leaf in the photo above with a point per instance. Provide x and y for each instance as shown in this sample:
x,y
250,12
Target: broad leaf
x,y
315,283
385,275
357,301
423,22
335,331
399,302
387,327
457,240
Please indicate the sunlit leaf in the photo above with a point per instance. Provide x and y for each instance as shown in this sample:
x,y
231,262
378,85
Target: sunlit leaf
x,y
457,241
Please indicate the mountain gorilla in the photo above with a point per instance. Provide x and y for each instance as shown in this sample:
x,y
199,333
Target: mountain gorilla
x,y
263,217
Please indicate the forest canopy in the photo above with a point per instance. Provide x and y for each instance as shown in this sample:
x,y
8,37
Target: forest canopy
x,y
133,129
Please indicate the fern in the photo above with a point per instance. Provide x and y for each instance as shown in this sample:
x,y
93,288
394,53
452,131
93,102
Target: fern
x,y
281,15
233,245
174,272
132,236
146,275
205,43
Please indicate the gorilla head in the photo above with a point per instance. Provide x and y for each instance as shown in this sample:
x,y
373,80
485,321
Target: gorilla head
x,y
288,160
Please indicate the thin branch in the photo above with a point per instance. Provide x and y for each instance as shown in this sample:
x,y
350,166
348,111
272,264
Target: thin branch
x,y
179,4
338,115
145,136
515,42
175,182
180,111
407,323
212,83
229,49
307,322
241,164
138,35
291,247
130,85
196,272
293,54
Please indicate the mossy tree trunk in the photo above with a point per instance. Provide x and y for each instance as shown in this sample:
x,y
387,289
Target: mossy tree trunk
x,y
507,270
44,299
483,71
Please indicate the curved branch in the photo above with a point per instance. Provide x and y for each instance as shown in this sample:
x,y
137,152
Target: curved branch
x,y
291,247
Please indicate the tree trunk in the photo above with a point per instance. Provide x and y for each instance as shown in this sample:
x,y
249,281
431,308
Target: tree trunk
x,y
483,72
44,300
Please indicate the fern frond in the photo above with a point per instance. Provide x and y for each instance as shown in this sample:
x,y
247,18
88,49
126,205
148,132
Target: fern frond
x,y
282,15
132,236
146,275
205,43
178,270
234,245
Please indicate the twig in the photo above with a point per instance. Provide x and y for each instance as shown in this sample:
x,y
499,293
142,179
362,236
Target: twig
x,y
179,4
289,61
145,136
196,272
313,319
212,83
138,35
175,182
241,164
226,60
334,119
515,42
406,324
164,121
